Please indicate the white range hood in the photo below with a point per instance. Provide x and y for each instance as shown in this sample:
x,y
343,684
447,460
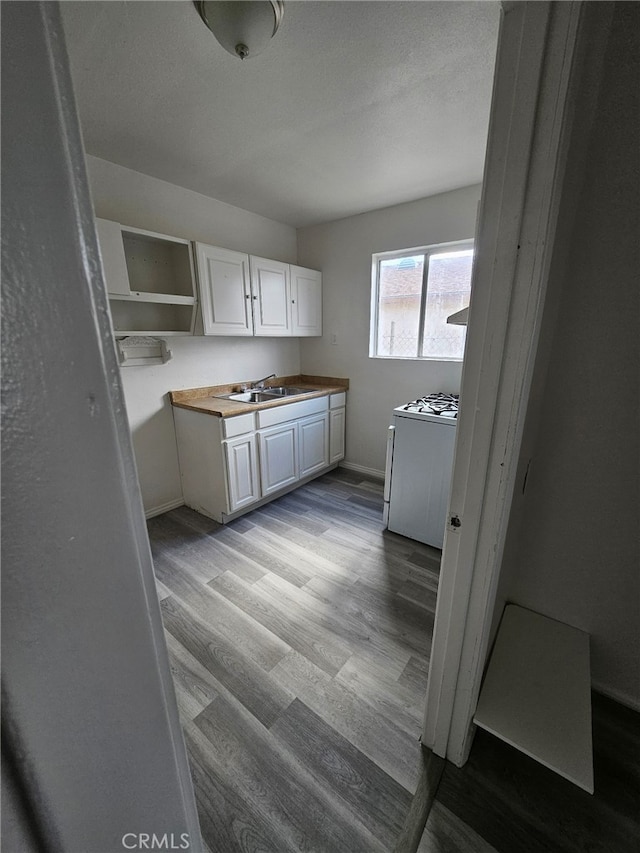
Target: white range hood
x,y
460,318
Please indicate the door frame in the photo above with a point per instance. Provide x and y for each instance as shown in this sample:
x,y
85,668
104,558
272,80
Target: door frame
x,y
87,691
531,120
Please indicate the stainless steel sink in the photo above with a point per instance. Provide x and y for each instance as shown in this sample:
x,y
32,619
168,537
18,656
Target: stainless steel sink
x,y
288,391
265,395
248,397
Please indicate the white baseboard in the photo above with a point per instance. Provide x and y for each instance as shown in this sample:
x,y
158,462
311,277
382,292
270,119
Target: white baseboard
x,y
370,472
158,510
617,695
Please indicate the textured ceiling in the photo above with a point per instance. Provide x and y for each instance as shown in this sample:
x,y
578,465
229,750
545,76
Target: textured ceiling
x,y
352,107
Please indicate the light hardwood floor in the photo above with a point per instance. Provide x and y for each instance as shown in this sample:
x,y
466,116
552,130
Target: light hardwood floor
x,y
299,638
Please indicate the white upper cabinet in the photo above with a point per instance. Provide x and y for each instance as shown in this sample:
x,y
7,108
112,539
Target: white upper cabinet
x,y
247,295
225,291
271,297
151,286
150,281
306,302
114,262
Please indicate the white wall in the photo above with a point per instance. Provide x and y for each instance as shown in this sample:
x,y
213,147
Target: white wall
x,y
343,250
89,717
573,546
141,201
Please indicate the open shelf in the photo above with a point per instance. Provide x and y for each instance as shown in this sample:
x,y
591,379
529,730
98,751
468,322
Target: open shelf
x,y
536,693
157,264
160,298
133,316
150,281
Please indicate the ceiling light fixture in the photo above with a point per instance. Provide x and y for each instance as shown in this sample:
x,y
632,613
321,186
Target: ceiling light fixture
x,y
243,29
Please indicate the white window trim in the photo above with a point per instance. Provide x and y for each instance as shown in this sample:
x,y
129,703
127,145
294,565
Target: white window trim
x,y
427,251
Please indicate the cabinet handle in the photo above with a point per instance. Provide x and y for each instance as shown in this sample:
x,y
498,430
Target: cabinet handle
x,y
246,296
255,297
293,301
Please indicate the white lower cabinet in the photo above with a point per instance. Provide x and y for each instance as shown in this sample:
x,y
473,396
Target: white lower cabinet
x,y
278,457
228,465
242,471
313,434
337,426
336,434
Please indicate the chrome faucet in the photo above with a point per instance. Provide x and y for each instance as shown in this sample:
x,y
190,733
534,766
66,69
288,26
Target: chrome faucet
x,y
260,382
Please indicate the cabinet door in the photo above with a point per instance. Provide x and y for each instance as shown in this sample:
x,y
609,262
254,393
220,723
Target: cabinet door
x,y
306,302
114,262
278,457
225,294
242,471
313,435
271,295
336,434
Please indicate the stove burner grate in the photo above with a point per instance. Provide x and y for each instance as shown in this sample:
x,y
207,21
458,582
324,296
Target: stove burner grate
x,y
435,404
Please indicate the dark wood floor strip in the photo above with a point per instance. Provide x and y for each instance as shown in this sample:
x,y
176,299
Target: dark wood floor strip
x,y
306,815
244,679
409,838
447,833
393,617
415,674
391,748
402,705
349,627
230,560
195,686
419,594
374,797
317,645
242,631
519,806
228,820
188,547
266,557
316,564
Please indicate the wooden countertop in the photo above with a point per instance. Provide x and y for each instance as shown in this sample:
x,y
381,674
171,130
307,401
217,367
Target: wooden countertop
x,y
204,399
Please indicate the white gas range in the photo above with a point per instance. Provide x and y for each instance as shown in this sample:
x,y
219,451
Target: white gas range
x,y
420,448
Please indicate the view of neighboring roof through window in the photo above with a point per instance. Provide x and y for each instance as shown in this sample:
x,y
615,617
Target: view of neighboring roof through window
x,y
413,294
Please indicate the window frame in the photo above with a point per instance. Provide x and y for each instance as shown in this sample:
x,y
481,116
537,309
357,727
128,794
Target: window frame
x,y
427,252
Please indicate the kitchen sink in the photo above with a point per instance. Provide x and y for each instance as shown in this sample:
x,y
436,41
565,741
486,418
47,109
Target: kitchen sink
x,y
288,391
248,397
266,395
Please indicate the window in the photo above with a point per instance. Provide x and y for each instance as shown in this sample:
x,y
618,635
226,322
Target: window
x,y
413,294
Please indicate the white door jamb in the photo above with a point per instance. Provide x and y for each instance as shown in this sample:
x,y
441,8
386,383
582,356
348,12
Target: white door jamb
x,y
530,123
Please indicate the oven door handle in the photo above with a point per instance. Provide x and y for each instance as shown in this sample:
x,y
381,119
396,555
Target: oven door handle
x,y
391,432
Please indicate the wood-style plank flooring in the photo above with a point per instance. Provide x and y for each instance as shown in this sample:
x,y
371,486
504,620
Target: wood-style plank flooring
x,y
299,638
502,801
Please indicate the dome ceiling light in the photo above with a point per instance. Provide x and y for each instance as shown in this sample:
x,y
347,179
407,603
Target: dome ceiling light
x,y
243,29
